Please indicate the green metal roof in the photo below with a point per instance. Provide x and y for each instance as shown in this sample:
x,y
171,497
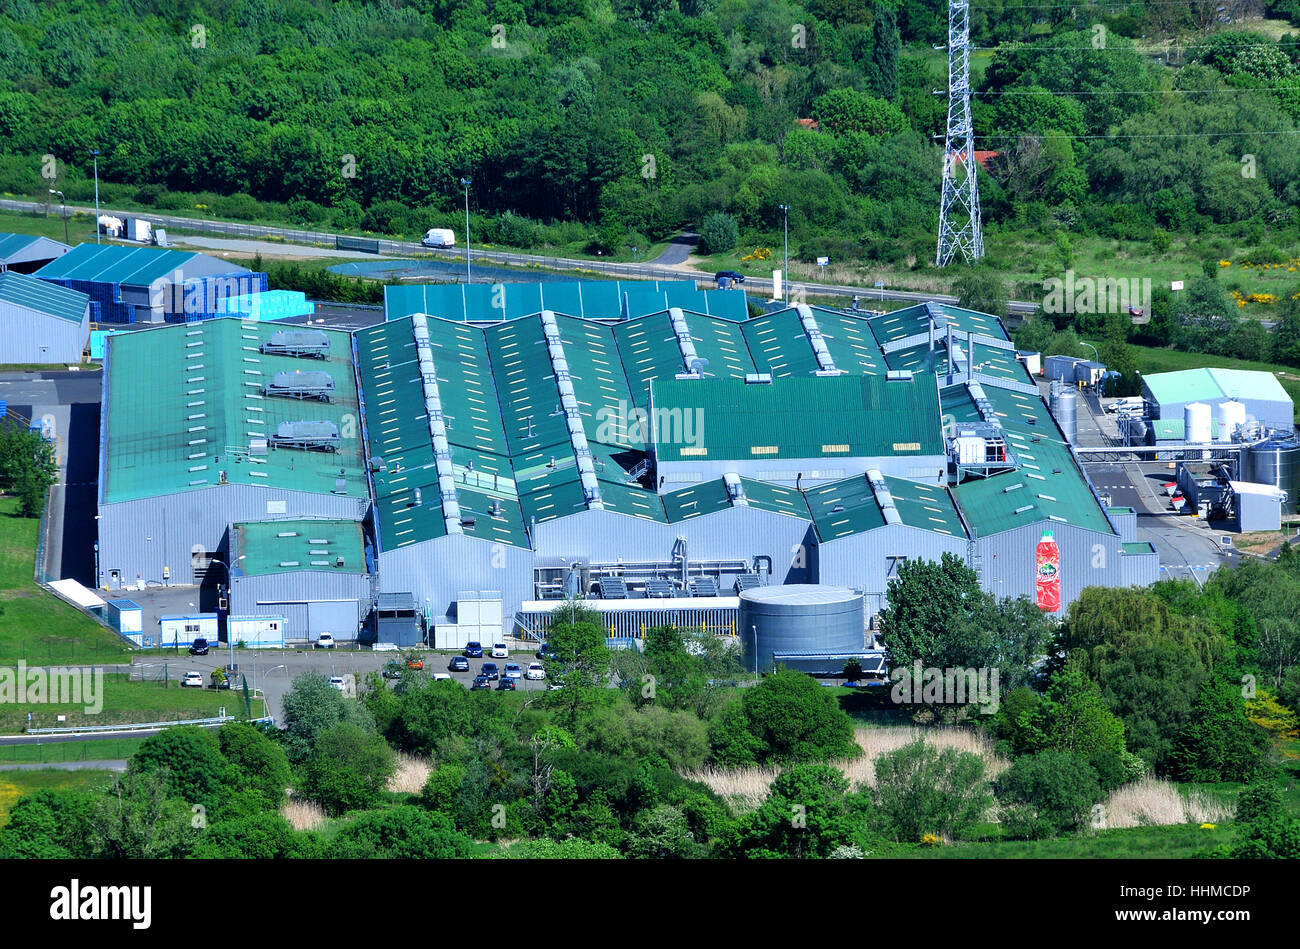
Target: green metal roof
x,y
913,320
789,418
1174,429
113,263
958,404
927,506
525,381
599,385
844,507
271,547
180,396
703,498
849,341
649,349
1048,485
12,244
1138,547
775,498
1212,385
22,290
779,345
633,500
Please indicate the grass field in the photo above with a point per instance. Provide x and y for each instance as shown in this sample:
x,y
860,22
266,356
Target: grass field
x,y
35,625
109,749
15,784
127,702
1164,843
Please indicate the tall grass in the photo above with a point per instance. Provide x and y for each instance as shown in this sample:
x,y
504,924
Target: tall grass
x,y
1153,802
410,775
746,788
304,815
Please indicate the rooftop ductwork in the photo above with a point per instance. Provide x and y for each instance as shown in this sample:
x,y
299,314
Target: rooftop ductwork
x,y
572,411
437,426
825,364
312,344
883,497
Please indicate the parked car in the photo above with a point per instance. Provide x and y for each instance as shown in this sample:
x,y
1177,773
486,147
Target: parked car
x,y
474,650
544,651
507,685
441,675
480,682
490,670
415,662
499,651
192,680
439,237
458,664
512,671
392,669
535,671
199,647
729,275
337,682
325,641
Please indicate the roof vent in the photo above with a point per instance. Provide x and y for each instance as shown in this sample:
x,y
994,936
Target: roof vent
x,y
1022,510
758,378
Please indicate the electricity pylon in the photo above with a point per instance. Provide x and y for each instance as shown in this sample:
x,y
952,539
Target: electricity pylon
x,y
960,230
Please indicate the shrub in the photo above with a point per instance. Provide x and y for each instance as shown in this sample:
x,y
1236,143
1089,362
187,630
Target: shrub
x,y
718,233
921,789
1046,794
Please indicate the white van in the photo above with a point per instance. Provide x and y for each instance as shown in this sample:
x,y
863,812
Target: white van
x,y
439,237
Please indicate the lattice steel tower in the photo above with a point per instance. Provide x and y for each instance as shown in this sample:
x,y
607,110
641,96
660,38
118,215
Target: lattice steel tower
x,y
960,230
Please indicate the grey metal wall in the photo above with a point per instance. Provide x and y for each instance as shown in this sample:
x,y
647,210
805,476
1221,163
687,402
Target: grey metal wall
x,y
293,596
140,537
1258,512
1088,558
863,561
29,336
737,533
1126,523
829,627
928,469
435,571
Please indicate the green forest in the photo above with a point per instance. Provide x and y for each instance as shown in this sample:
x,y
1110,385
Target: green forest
x,y
1151,141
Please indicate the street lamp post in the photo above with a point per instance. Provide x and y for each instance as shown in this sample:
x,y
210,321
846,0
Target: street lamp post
x,y
63,205
465,182
785,209
94,153
230,643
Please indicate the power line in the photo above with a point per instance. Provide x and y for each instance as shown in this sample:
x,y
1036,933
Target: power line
x,y
1017,47
1134,92
1079,138
1118,4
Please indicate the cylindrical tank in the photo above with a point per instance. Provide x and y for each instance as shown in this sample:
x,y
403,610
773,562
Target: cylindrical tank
x,y
1065,407
1196,423
807,618
1277,462
1231,414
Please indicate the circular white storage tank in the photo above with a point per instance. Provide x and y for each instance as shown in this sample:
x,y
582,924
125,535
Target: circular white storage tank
x,y
800,618
1231,414
1065,407
1196,423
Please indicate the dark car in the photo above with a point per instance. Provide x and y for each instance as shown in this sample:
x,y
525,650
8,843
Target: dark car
x,y
458,664
474,650
480,682
507,685
199,647
544,651
392,669
729,275
490,670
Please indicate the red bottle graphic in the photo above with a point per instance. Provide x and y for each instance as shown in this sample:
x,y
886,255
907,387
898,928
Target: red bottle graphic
x,y
1047,574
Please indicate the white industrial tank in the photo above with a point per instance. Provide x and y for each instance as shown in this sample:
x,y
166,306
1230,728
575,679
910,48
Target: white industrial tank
x,y
1231,414
1196,419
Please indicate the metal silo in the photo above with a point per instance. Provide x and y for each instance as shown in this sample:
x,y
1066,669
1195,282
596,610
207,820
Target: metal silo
x,y
1065,408
1277,462
800,618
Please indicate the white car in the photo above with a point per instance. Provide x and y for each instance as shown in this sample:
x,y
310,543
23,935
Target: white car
x,y
441,675
499,651
337,682
193,680
535,671
326,641
512,671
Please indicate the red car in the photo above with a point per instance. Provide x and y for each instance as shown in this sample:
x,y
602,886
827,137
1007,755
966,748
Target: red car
x,y
415,663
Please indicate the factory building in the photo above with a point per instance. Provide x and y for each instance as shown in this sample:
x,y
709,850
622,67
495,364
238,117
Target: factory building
x,y
1261,397
149,284
662,465
190,442
41,323
317,575
25,253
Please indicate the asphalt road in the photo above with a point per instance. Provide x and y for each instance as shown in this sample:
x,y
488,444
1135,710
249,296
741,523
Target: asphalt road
x,y
398,248
681,247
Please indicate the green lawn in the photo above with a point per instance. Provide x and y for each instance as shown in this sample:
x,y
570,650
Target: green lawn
x,y
109,749
15,784
1164,843
127,702
36,625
